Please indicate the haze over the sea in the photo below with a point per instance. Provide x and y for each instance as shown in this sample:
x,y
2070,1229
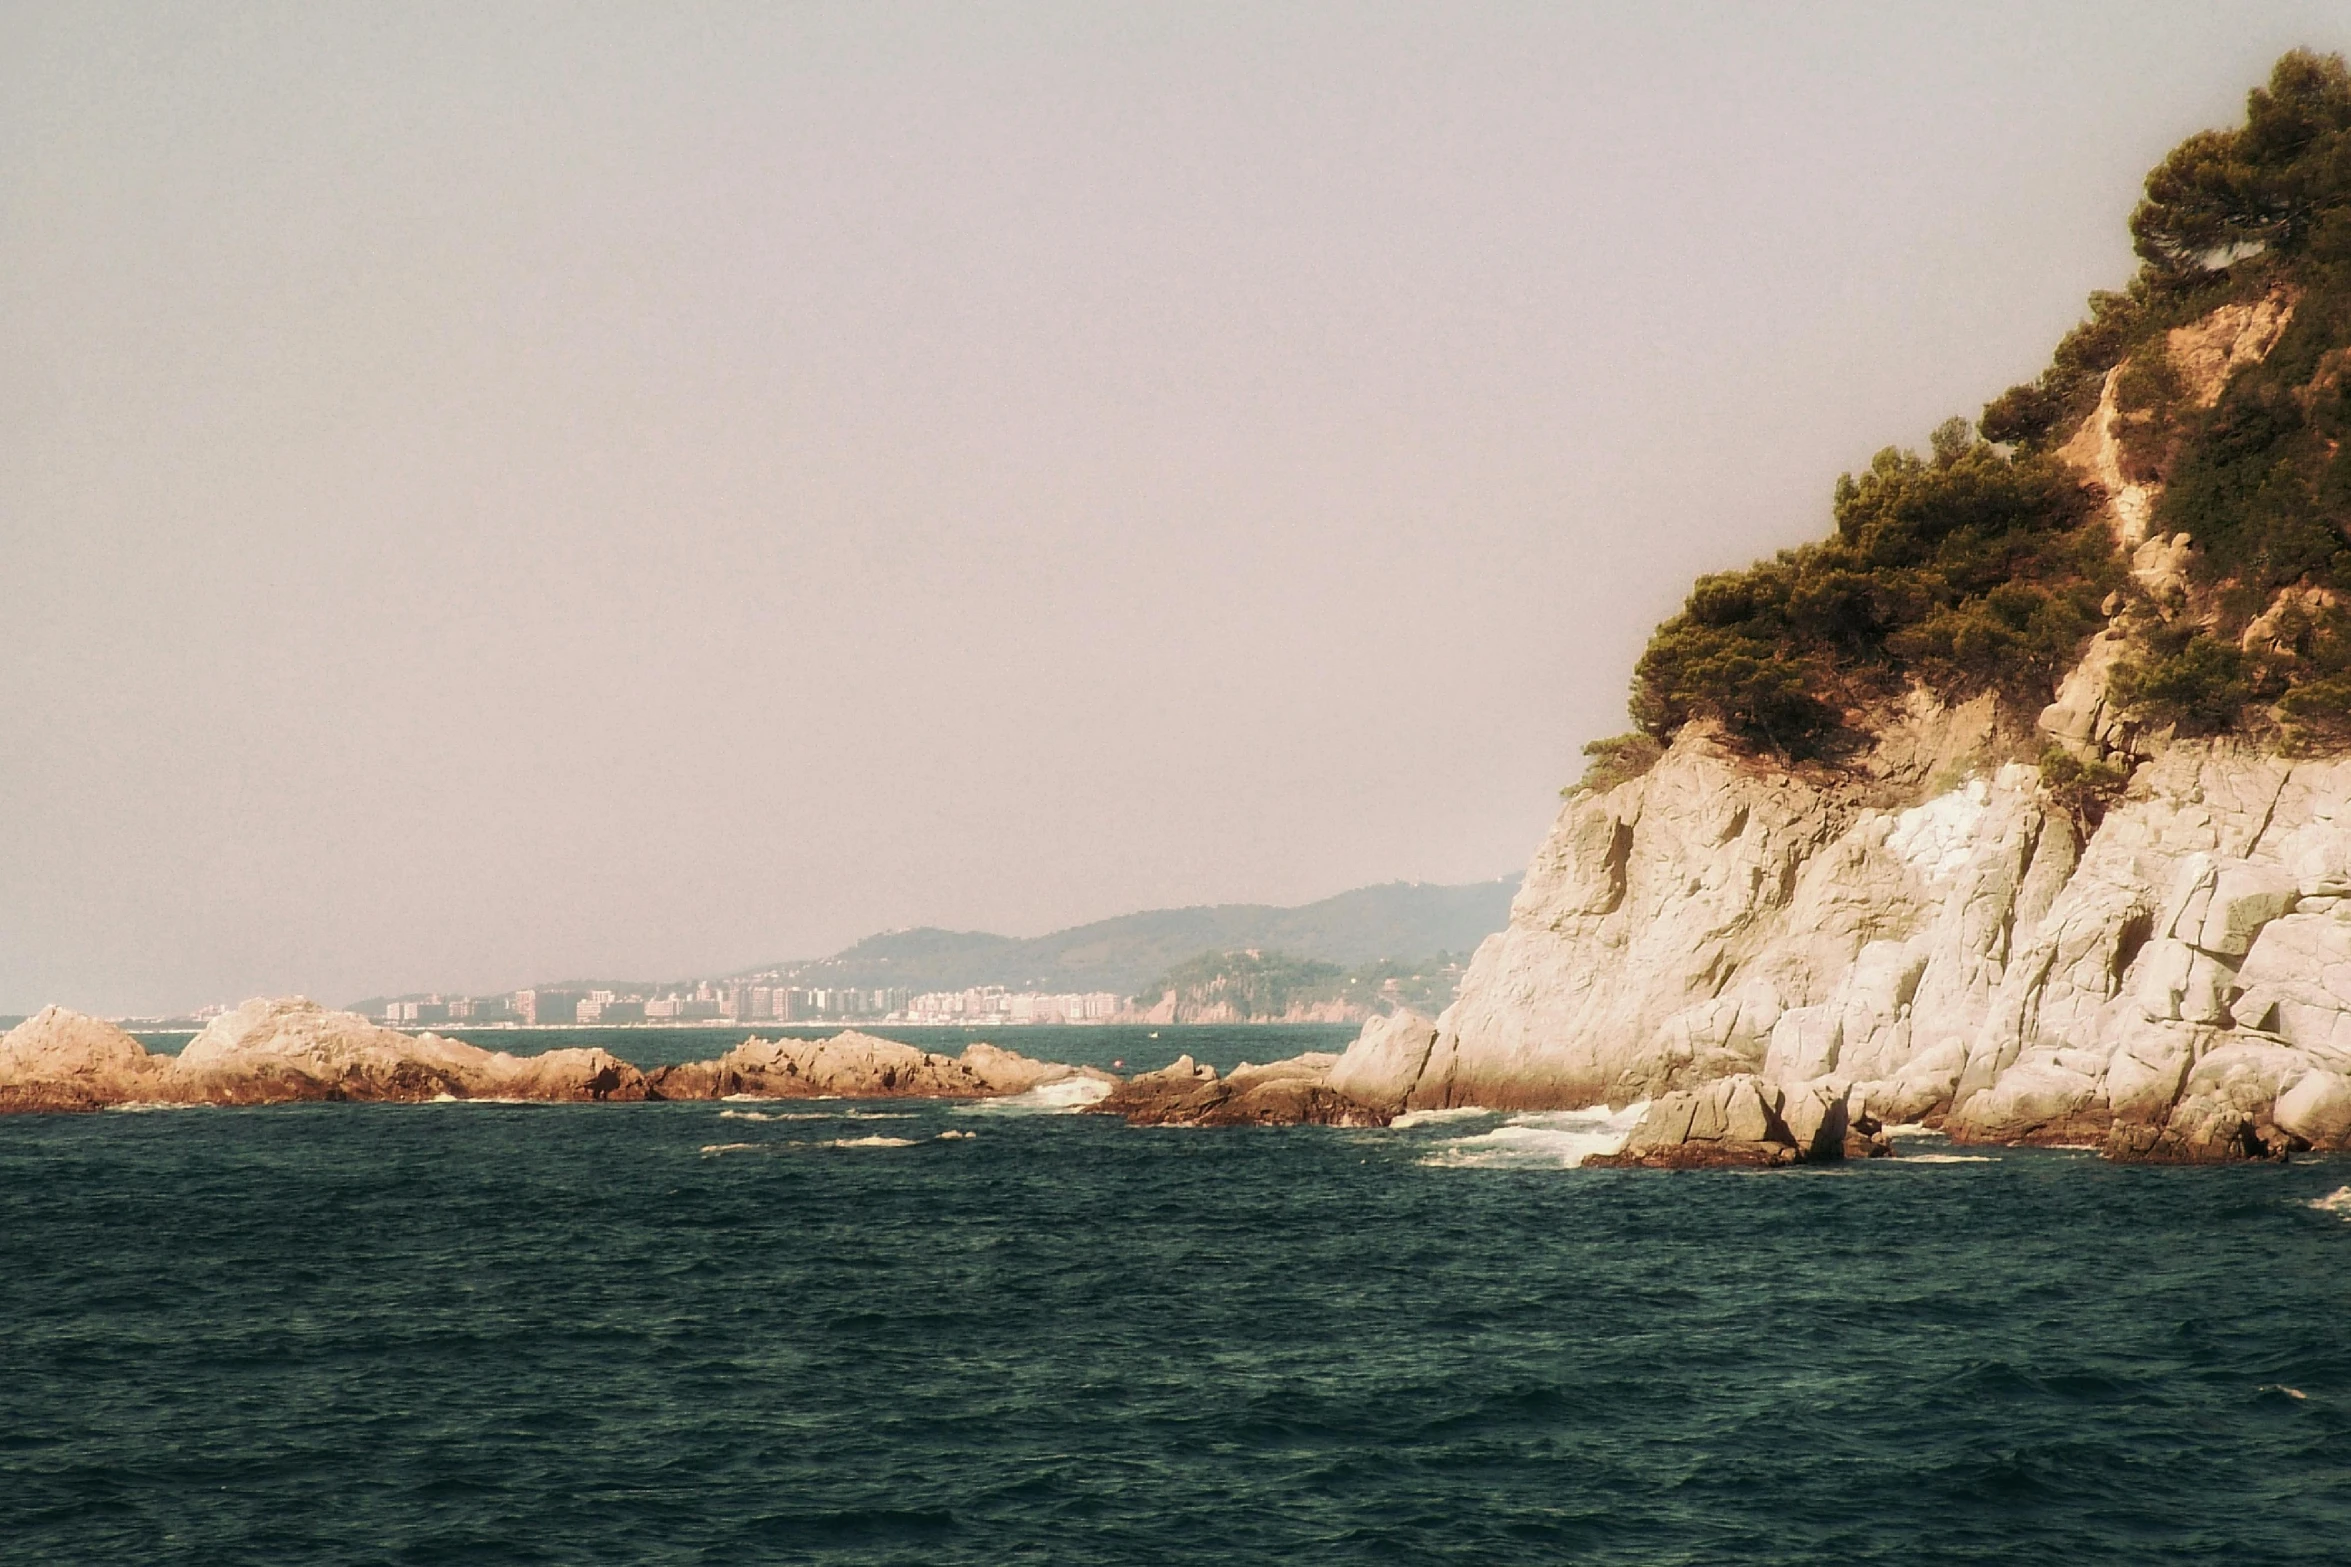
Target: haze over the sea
x,y
499,491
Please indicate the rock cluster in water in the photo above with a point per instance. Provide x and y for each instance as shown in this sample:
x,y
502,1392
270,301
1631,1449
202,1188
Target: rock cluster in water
x,y
280,1051
1294,1092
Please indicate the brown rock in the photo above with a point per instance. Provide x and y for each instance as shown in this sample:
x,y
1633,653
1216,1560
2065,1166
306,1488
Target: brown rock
x,y
1296,1092
61,1060
852,1065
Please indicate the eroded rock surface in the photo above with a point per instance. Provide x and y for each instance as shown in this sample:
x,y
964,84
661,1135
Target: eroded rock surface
x,y
2160,986
1745,1121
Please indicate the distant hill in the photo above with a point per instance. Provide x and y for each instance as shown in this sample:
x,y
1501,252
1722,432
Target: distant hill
x,y
1409,922
1397,920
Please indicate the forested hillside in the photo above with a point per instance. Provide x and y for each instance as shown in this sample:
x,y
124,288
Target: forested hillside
x,y
2206,398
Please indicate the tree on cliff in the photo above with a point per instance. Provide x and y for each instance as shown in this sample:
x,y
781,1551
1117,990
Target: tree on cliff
x,y
2264,185
1985,565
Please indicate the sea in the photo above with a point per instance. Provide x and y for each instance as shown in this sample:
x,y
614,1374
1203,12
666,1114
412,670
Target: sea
x,y
888,1332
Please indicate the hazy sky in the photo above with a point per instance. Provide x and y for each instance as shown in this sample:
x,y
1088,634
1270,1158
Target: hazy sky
x,y
496,492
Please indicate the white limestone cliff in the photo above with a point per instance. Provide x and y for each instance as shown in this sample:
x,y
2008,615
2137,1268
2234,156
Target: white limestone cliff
x,y
1974,959
1929,932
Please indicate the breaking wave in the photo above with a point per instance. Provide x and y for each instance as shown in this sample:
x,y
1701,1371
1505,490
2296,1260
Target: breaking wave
x,y
1063,1096
2337,1201
1547,1140
1412,1118
815,1115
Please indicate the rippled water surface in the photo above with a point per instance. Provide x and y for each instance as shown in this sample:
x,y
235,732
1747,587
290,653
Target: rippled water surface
x,y
681,1333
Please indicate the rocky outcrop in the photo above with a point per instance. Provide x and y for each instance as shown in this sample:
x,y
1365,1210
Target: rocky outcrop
x,y
272,1051
2162,986
1385,1060
1294,1092
852,1065
1745,1122
293,1049
61,1060
1925,932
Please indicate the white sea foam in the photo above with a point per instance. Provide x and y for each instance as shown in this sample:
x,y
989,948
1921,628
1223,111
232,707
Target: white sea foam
x,y
1412,1118
1063,1096
948,1137
2336,1201
143,1106
1947,1158
711,1148
1549,1140
874,1141
815,1115
1913,1129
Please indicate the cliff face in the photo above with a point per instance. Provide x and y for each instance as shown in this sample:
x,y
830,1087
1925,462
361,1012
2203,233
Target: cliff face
x,y
1935,933
2180,977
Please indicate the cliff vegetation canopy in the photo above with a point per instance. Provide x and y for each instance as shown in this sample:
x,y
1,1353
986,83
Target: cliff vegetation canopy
x,y
1984,564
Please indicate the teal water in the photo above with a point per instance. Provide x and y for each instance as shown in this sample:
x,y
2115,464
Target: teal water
x,y
566,1334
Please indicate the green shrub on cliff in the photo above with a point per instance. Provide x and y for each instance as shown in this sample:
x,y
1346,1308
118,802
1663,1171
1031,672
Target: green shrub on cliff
x,y
2200,688
1972,570
1983,566
2083,788
1615,760
2266,185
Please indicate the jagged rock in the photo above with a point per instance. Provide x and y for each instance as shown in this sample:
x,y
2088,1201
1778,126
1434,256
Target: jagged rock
x,y
2206,352
2149,1064
2297,982
2040,1100
2317,1109
852,1065
1294,1092
1733,1121
1385,1060
2082,718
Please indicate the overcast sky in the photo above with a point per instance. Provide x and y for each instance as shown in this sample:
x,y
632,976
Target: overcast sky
x,y
498,492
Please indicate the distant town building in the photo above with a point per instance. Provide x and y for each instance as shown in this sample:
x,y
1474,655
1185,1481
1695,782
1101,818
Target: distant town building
x,y
993,1004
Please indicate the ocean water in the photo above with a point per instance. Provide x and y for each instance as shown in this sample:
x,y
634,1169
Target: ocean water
x,y
842,1332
